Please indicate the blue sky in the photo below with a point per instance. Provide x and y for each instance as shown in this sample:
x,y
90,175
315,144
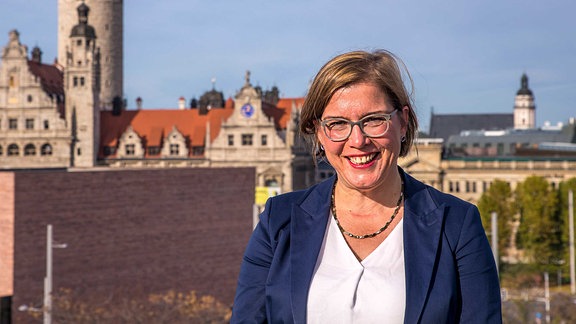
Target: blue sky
x,y
464,56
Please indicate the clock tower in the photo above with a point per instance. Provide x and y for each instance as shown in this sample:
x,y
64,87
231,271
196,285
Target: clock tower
x,y
251,137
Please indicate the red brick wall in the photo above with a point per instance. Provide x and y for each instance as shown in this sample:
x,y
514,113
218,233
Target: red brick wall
x,y
154,230
6,232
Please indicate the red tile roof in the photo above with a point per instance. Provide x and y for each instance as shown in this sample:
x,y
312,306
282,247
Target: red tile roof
x,y
154,125
282,111
51,80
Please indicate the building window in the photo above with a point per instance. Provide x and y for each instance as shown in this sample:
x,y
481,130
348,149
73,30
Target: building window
x,y
12,82
153,150
12,123
109,150
81,81
474,186
174,149
75,81
467,186
13,150
500,149
79,42
230,140
29,123
198,150
46,124
46,150
29,98
264,140
130,149
30,149
450,186
1,150
246,139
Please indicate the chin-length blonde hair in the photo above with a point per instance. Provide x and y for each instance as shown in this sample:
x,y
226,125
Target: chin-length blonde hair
x,y
379,67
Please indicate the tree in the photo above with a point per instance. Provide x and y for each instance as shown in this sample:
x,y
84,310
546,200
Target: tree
x,y
540,230
563,189
498,198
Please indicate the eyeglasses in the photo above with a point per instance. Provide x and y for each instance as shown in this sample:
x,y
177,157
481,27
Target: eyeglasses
x,y
339,129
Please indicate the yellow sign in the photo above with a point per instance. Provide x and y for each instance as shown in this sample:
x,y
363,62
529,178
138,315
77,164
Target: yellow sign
x,y
263,193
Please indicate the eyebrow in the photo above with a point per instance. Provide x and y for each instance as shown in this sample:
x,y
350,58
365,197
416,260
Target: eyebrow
x,y
365,115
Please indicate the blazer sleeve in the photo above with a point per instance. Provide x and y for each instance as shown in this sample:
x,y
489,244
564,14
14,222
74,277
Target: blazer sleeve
x,y
479,283
250,300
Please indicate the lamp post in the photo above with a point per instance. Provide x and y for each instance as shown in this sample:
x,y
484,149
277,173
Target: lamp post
x,y
571,241
494,223
47,309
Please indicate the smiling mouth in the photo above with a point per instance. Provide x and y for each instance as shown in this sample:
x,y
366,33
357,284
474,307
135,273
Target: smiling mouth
x,y
362,159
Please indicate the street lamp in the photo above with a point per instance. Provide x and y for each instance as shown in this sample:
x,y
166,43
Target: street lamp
x,y
47,309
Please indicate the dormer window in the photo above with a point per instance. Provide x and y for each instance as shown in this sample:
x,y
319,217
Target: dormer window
x,y
130,149
174,149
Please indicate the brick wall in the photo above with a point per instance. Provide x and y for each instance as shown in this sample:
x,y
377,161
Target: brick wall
x,y
132,230
6,232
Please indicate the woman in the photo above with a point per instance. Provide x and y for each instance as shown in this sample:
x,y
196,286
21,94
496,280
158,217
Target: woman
x,y
372,244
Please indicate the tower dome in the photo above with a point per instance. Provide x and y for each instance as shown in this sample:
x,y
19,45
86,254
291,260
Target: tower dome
x,y
524,107
524,90
83,29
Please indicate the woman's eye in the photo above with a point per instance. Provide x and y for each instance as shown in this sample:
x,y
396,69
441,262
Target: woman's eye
x,y
374,121
336,123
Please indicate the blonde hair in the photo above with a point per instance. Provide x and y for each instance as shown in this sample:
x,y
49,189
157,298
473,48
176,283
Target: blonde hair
x,y
381,68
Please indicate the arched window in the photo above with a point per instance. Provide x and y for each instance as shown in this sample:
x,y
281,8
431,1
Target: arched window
x,y
1,150
13,150
29,149
46,149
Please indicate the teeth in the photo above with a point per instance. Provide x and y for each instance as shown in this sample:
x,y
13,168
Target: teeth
x,y
362,159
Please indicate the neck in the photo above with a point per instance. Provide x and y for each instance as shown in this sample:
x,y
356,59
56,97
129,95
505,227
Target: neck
x,y
385,194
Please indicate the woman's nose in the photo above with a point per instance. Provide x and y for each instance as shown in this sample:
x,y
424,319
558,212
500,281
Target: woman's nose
x,y
357,137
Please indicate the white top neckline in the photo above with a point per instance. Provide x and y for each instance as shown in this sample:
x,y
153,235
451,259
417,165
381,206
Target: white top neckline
x,y
345,290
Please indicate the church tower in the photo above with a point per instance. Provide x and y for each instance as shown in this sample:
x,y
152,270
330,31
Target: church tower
x,y
106,16
524,107
81,84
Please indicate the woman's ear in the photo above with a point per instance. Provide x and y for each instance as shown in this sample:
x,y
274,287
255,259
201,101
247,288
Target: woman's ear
x,y
405,113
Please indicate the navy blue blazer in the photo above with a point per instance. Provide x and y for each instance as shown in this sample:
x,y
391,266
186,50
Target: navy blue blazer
x,y
451,275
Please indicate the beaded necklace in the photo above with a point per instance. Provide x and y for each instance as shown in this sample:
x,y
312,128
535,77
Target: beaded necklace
x,y
370,235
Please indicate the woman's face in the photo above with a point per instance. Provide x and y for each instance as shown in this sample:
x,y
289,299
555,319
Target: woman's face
x,y
361,162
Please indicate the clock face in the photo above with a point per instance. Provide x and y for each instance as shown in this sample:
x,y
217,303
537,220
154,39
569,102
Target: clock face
x,y
247,110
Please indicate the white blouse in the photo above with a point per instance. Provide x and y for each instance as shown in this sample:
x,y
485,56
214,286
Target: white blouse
x,y
345,290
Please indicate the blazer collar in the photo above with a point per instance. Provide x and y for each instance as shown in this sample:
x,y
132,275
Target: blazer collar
x,y
423,219
307,228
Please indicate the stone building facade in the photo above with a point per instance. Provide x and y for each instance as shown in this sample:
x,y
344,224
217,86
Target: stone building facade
x,y
79,128
33,129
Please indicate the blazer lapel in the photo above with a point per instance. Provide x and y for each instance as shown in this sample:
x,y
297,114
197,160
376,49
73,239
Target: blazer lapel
x,y
423,221
307,228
